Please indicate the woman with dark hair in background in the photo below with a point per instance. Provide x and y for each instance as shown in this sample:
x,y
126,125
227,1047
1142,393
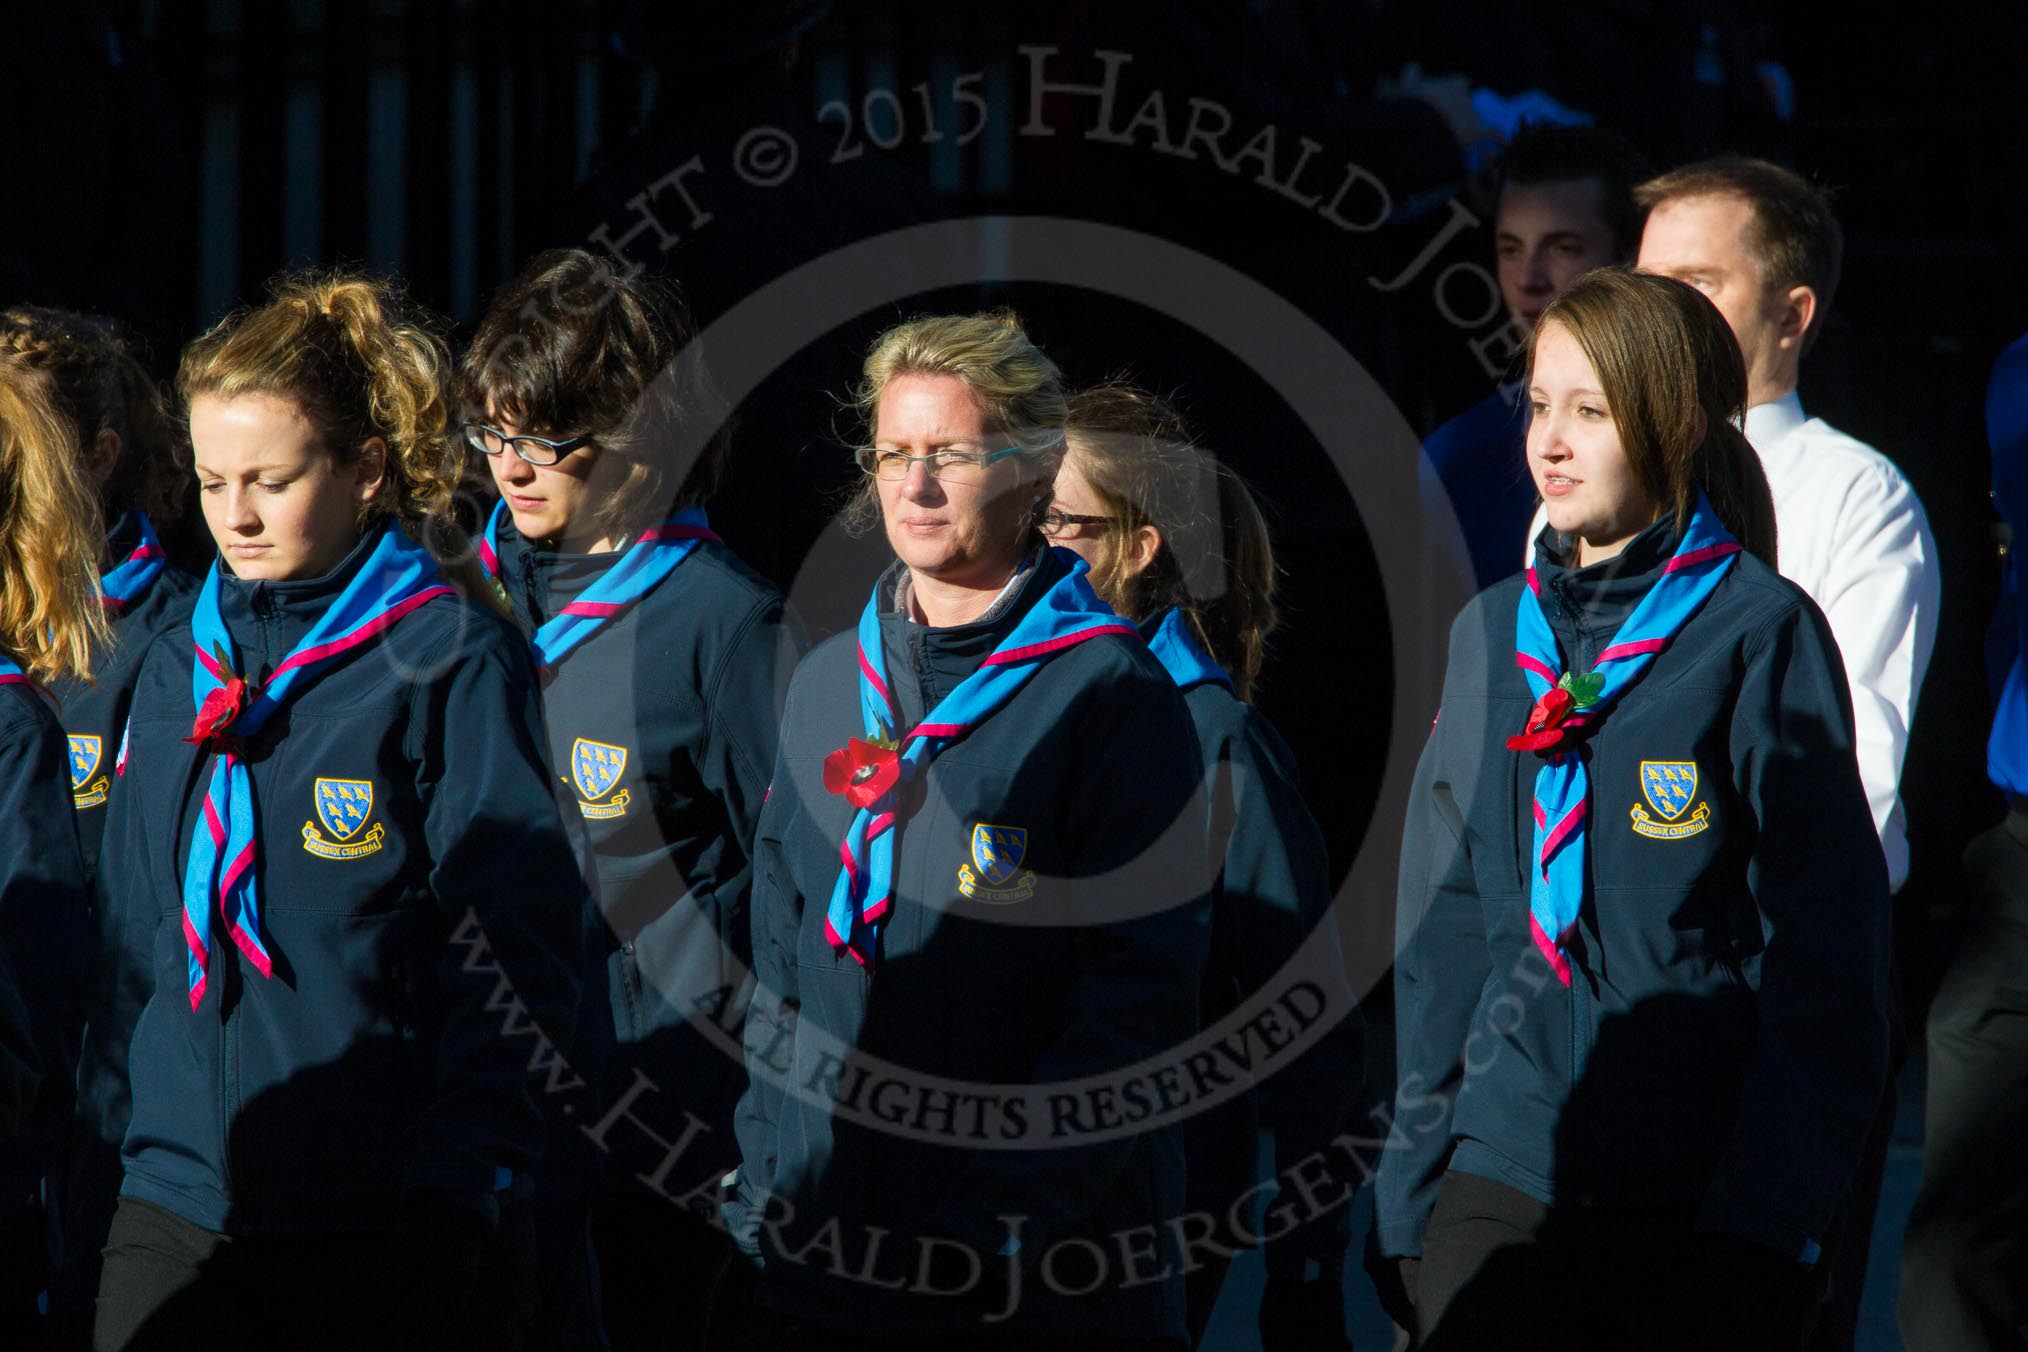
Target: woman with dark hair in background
x,y
51,625
660,654
131,456
1642,933
1177,544
962,875
336,830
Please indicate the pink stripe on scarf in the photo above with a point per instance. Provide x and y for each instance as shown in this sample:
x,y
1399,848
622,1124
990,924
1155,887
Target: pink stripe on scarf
x,y
377,624
1001,659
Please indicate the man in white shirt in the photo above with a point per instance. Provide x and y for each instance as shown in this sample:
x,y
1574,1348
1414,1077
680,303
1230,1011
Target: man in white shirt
x,y
1763,245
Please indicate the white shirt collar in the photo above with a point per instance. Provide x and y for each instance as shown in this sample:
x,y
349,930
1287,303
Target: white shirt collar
x,y
1768,423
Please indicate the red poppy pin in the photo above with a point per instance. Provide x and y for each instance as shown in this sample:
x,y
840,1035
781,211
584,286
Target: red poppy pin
x,y
862,770
222,705
1546,729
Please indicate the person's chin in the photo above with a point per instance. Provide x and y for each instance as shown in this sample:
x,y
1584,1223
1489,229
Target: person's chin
x,y
534,525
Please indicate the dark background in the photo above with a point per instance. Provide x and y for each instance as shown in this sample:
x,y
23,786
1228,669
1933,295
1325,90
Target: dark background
x,y
164,159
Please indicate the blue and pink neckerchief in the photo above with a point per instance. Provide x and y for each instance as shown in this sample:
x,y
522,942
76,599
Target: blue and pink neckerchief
x,y
397,577
12,674
1067,614
1182,656
130,579
647,561
1562,785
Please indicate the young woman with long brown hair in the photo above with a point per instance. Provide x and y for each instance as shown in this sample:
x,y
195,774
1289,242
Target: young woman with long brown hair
x,y
1642,931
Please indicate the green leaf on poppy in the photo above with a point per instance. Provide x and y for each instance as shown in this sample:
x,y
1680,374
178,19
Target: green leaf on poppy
x,y
1584,690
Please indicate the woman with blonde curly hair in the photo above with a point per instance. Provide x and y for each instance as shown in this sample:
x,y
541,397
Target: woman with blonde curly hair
x,y
50,625
336,834
965,871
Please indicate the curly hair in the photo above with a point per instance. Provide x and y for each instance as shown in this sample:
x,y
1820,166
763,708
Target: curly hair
x,y
362,364
99,385
1216,562
51,616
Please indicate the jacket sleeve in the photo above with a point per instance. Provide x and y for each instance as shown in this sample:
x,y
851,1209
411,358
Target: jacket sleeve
x,y
1820,891
1881,599
510,895
43,917
1137,977
776,918
1274,895
742,707
1440,965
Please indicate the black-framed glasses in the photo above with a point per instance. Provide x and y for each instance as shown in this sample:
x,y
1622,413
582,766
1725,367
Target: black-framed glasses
x,y
1055,523
535,450
948,466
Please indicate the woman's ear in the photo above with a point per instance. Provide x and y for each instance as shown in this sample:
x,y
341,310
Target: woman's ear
x,y
1142,547
369,470
103,457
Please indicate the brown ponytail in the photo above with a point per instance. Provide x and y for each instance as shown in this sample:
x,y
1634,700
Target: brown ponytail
x,y
1216,563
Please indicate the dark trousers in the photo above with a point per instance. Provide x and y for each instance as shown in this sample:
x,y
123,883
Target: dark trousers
x,y
668,1280
1964,1260
1501,1270
1848,1248
171,1286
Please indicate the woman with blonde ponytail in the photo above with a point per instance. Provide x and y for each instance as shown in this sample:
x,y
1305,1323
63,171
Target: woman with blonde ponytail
x,y
1640,983
1177,544
336,835
50,624
118,436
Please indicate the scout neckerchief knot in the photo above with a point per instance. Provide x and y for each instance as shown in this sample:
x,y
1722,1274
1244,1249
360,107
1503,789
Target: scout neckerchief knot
x,y
872,773
651,558
130,579
1567,704
396,578
1182,656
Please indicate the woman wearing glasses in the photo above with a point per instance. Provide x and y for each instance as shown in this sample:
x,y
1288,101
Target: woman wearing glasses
x,y
979,889
1177,544
661,656
333,823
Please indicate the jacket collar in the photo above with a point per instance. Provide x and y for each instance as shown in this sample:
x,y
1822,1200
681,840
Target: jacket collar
x,y
282,612
1597,599
940,658
545,580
